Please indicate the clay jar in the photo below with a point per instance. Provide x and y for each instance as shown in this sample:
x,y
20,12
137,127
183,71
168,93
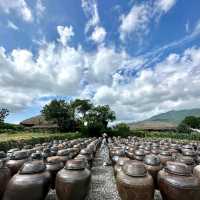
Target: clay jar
x,y
165,156
176,182
134,182
53,165
139,155
119,164
16,161
64,155
153,166
73,181
5,175
32,183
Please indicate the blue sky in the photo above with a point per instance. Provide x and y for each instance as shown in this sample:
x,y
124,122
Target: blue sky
x,y
141,57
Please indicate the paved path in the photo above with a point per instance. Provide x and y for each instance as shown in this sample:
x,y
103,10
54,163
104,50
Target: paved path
x,y
103,186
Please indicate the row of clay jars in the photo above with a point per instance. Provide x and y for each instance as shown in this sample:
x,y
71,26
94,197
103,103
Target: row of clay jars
x,y
175,181
20,187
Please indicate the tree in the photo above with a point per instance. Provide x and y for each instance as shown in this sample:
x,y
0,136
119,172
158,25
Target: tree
x,y
96,119
3,114
192,121
59,112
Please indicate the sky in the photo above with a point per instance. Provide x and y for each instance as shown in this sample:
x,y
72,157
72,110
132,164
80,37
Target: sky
x,y
141,57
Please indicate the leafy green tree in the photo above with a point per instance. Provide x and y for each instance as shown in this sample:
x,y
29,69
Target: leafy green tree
x,y
183,128
59,112
192,122
96,120
3,114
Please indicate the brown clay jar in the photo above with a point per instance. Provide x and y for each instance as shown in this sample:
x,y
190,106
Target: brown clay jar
x,y
134,182
153,166
73,181
32,182
164,157
5,176
119,164
177,182
16,161
53,165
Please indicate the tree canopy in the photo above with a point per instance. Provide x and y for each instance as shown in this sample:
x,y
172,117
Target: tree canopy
x,y
4,112
79,115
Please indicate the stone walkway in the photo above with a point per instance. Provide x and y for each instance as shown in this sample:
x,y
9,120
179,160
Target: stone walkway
x,y
103,186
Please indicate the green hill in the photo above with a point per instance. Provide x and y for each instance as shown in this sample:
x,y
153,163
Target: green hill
x,y
175,116
165,121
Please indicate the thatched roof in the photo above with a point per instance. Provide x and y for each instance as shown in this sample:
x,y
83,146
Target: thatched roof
x,y
153,125
36,121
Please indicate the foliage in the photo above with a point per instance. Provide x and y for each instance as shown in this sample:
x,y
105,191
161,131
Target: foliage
x,y
59,112
11,128
189,122
79,115
121,129
3,114
96,120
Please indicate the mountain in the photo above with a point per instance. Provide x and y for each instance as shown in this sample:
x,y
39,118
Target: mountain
x,y
175,116
165,121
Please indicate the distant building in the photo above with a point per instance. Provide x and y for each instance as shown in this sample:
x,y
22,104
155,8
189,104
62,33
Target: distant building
x,y
38,122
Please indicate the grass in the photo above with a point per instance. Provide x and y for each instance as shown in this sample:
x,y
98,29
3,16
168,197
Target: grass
x,y
4,137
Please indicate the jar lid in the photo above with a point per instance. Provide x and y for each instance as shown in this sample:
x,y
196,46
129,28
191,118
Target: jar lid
x,y
177,168
122,160
188,152
54,160
19,155
63,152
186,159
152,160
134,169
139,152
2,154
165,153
33,167
75,164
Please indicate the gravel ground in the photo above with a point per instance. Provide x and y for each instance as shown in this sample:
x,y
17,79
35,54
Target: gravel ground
x,y
103,185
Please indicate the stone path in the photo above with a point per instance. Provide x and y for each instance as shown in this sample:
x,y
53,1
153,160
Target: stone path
x,y
103,186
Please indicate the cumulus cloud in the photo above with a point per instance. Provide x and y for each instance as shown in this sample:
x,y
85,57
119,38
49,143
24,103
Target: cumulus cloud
x,y
19,6
137,20
171,84
65,34
98,35
90,9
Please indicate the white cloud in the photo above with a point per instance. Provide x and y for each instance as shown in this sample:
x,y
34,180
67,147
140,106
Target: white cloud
x,y
19,6
12,26
40,8
91,11
137,20
99,34
165,5
171,84
65,33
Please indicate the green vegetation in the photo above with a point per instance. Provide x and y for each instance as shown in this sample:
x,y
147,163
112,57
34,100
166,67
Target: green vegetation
x,y
188,123
175,116
79,115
